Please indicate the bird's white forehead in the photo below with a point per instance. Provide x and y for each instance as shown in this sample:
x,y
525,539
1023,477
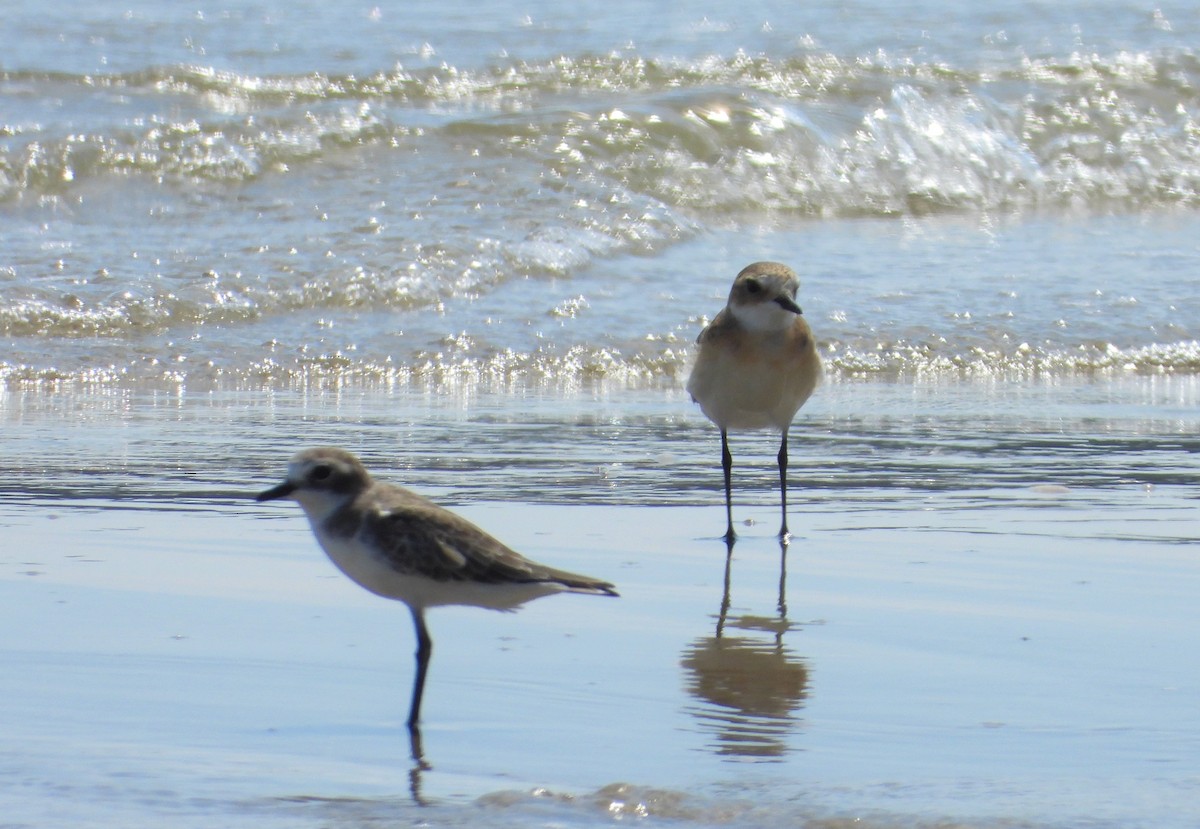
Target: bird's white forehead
x,y
300,466
775,282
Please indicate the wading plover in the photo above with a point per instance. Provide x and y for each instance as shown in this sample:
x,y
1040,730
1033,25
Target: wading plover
x,y
403,546
757,365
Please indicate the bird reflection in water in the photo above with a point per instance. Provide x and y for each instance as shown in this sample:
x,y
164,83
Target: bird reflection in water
x,y
748,685
419,764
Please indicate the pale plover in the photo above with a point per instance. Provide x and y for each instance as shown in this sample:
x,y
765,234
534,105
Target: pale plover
x,y
757,365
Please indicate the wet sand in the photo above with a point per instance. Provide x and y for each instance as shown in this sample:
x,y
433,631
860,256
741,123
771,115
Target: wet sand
x,y
1028,657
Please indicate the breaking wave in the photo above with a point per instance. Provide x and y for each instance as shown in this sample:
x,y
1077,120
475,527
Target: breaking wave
x,y
815,134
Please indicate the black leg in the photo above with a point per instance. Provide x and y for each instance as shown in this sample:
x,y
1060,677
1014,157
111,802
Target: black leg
x,y
424,651
727,466
783,460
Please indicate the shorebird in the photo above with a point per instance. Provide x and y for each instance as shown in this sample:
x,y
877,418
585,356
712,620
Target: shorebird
x,y
400,545
757,365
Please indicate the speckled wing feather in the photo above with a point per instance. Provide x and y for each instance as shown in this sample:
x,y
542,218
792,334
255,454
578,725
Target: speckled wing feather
x,y
424,539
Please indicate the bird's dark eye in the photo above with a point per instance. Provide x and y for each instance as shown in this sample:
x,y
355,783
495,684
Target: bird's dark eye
x,y
753,286
322,472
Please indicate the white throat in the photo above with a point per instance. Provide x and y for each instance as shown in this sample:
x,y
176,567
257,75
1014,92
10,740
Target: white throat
x,y
319,505
762,316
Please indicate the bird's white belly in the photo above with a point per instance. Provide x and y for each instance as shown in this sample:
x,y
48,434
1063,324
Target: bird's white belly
x,y
363,566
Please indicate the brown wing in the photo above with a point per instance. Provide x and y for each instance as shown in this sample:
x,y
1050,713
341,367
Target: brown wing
x,y
421,538
722,326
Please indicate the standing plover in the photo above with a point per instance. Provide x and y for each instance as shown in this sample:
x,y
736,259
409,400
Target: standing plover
x,y
756,366
402,546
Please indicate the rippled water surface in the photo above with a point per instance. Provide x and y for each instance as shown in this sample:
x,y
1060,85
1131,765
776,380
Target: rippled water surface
x,y
262,195
474,243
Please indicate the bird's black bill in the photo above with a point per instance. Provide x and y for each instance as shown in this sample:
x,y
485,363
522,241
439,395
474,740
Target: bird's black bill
x,y
788,304
282,491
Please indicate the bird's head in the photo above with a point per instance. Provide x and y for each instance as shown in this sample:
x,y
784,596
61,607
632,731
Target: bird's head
x,y
763,297
321,479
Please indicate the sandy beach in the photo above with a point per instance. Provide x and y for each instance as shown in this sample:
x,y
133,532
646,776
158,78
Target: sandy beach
x,y
1021,657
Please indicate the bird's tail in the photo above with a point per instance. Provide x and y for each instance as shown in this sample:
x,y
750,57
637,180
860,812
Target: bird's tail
x,y
582,584
596,588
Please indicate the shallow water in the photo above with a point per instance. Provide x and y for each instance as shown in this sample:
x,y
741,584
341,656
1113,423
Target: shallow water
x,y
983,617
926,668
474,244
857,443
